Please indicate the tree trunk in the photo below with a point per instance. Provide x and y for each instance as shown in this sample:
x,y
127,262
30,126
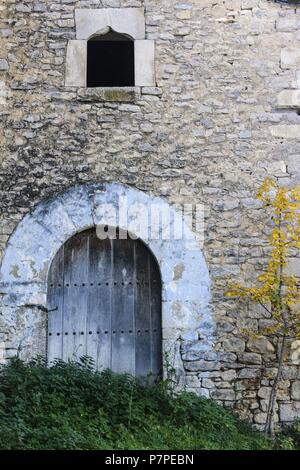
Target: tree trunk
x,y
273,394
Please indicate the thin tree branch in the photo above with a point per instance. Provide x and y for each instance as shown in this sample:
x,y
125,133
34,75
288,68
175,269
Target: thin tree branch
x,y
269,311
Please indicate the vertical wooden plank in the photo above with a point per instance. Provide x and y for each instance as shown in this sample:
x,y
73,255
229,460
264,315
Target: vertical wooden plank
x,y
99,302
155,319
142,311
123,348
75,297
55,307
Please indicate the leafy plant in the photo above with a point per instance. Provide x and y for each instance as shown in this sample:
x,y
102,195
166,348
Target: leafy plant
x,y
275,290
70,406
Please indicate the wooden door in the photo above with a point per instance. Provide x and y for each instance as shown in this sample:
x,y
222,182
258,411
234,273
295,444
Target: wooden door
x,y
104,300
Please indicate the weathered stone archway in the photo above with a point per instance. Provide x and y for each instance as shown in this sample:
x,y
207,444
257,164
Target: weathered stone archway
x,y
37,238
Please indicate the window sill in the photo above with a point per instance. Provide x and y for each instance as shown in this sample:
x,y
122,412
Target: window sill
x,y
108,94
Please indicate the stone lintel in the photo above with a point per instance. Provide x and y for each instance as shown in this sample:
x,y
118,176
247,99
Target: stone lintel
x,y
129,21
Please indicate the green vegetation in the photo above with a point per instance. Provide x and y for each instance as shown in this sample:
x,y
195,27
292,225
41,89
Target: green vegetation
x,y
68,406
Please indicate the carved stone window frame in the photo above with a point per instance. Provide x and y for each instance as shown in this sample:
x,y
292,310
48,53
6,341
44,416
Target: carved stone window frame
x,y
92,22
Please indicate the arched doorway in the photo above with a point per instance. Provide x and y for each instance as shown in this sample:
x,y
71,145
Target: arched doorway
x,y
186,309
104,300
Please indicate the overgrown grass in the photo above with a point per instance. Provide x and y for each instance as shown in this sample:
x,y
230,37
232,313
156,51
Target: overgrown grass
x,y
68,406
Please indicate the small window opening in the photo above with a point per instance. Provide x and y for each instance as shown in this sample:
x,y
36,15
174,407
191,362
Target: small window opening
x,y
110,61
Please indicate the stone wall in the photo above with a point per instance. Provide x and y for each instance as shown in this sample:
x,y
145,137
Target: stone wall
x,y
223,115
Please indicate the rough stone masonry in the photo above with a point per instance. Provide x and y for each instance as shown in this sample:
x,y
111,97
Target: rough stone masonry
x,y
224,113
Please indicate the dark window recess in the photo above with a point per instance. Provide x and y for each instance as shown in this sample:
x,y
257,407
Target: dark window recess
x,y
110,61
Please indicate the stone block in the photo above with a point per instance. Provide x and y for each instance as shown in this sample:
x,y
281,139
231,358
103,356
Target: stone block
x,y
295,390
286,131
260,418
289,411
4,65
289,99
39,7
201,392
144,63
183,15
207,383
22,8
250,358
293,267
249,373
287,24
183,6
264,392
276,168
295,352
225,394
229,375
293,164
234,344
260,345
192,381
290,58
195,366
76,63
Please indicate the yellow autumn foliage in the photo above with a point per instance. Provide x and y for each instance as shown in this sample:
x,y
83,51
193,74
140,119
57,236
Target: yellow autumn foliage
x,y
275,290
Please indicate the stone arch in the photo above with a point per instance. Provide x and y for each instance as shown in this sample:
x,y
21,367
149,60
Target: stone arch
x,y
101,33
186,314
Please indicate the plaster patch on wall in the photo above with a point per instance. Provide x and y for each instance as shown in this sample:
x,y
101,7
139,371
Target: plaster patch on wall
x,y
178,270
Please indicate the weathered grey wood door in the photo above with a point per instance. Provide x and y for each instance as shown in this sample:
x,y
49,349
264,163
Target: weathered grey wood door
x,y
104,300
